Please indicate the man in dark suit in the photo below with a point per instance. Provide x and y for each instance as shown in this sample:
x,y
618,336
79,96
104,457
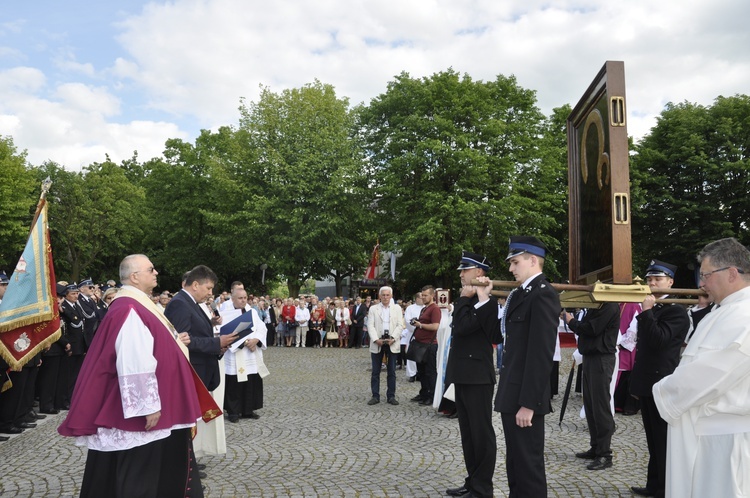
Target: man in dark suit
x,y
186,315
470,369
359,314
661,332
529,324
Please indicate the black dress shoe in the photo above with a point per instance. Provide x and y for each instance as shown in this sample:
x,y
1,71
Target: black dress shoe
x,y
416,398
457,491
234,419
50,412
4,438
10,429
38,416
202,474
373,401
393,401
426,401
600,463
252,415
201,466
642,491
589,454
26,425
412,378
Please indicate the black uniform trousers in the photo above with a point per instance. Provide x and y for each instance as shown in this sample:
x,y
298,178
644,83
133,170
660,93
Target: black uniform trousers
x,y
11,401
597,376
72,364
27,403
474,408
51,386
524,459
656,438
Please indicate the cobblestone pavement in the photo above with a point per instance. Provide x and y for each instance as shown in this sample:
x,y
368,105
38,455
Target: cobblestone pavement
x,y
318,437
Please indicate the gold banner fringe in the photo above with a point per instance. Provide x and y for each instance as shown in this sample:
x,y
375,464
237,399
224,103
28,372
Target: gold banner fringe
x,y
29,320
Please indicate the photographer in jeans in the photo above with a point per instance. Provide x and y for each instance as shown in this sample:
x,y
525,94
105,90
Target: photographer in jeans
x,y
425,331
385,321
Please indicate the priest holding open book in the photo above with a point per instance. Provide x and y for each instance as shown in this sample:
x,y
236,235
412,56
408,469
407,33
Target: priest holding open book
x,y
243,361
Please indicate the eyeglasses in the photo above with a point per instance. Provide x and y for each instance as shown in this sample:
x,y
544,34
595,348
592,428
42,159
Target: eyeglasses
x,y
704,276
150,270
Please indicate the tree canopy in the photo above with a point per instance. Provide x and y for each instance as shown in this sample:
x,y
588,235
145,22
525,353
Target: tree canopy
x,y
305,184
460,164
690,177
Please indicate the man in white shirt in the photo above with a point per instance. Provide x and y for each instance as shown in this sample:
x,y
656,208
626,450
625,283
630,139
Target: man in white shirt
x,y
705,400
412,313
302,317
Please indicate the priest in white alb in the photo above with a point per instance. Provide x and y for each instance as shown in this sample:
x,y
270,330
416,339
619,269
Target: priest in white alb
x,y
706,401
243,362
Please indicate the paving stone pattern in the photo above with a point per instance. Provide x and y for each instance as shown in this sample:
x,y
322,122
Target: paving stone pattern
x,y
318,437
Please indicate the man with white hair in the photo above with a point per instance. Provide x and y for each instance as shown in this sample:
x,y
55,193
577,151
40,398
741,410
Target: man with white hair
x,y
385,322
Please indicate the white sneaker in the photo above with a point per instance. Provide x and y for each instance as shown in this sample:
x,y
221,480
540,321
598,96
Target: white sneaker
x,y
297,345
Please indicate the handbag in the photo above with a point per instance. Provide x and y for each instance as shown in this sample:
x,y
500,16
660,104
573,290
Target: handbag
x,y
416,351
332,335
348,321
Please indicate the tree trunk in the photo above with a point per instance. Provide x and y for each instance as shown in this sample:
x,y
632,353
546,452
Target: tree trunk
x,y
294,286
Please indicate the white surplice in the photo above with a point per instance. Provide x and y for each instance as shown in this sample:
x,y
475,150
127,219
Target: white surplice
x,y
706,402
210,438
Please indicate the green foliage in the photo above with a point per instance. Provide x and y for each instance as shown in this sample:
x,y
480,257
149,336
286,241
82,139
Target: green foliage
x,y
96,218
307,192
18,199
690,179
459,164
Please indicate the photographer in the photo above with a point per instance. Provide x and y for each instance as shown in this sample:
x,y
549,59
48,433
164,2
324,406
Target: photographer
x,y
425,331
385,321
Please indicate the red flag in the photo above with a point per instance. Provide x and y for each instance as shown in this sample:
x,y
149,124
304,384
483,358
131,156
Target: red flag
x,y
372,271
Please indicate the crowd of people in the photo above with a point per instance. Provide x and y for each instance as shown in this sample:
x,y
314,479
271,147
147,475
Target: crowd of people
x,y
685,370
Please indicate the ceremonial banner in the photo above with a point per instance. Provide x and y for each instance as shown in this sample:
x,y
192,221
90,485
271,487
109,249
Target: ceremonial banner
x,y
29,318
372,270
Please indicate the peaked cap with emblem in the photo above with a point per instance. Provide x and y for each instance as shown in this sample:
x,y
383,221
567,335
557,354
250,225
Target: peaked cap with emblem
x,y
473,260
86,282
521,244
658,268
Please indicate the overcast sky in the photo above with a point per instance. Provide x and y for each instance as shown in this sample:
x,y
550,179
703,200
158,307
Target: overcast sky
x,y
81,79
